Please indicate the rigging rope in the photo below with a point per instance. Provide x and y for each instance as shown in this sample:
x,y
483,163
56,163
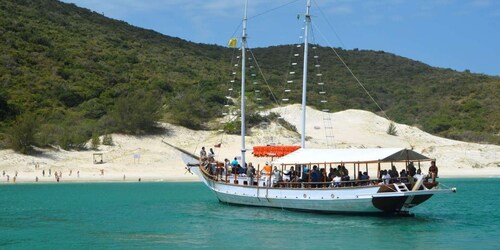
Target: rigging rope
x,y
361,84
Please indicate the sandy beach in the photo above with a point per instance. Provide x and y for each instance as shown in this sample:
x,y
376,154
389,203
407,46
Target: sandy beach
x,y
148,158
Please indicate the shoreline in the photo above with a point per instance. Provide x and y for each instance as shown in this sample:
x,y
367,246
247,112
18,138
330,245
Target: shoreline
x,y
52,180
152,159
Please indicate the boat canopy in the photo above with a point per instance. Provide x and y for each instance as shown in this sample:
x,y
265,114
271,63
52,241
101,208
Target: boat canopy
x,y
350,155
273,151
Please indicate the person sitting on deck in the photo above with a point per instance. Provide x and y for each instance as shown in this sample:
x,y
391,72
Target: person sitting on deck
x,y
412,171
315,175
292,175
344,173
323,176
404,176
240,169
394,173
386,177
305,174
433,171
336,181
364,178
331,175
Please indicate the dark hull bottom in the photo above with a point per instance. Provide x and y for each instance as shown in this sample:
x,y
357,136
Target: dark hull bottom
x,y
395,204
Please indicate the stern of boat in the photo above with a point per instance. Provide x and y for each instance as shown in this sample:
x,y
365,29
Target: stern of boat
x,y
401,197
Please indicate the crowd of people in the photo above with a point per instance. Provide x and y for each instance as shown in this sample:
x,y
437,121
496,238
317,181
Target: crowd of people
x,y
317,177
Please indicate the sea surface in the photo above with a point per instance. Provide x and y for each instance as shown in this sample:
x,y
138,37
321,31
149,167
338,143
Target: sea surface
x,y
172,215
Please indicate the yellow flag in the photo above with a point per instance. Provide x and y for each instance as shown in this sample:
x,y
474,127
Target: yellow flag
x,y
232,42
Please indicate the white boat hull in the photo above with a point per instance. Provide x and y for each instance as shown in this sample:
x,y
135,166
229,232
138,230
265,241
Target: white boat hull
x,y
365,199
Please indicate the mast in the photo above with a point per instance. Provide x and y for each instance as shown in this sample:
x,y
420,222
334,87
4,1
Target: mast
x,y
243,62
304,77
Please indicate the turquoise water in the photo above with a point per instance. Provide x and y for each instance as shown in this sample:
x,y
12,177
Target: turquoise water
x,y
187,215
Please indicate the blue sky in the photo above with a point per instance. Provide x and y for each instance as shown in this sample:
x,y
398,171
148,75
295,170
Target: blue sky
x,y
456,34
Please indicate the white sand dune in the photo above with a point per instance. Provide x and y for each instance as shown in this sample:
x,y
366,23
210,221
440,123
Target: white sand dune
x,y
147,158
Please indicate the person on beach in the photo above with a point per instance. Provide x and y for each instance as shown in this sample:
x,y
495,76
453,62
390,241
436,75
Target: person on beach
x,y
43,173
36,179
3,174
78,174
50,172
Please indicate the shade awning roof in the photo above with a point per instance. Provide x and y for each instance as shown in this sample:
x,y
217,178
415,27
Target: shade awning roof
x,y
306,156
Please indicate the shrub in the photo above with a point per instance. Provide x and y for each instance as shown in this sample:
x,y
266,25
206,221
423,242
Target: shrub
x,y
107,140
94,143
391,130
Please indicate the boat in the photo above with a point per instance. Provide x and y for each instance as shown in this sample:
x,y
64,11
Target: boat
x,y
299,180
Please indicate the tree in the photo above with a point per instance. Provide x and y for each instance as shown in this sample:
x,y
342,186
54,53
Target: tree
x,y
21,136
136,113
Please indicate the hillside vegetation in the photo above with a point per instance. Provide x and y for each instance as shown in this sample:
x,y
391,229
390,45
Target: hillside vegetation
x,y
67,73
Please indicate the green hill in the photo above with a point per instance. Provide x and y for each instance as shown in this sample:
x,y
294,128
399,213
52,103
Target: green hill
x,y
67,73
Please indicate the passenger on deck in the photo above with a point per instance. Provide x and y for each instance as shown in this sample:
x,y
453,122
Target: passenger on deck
x,y
331,175
276,175
292,175
203,154
315,175
394,173
235,162
412,171
234,166
213,168
364,178
227,166
386,177
266,170
344,173
433,171
250,173
240,169
211,155
305,174
323,175
336,181
404,176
